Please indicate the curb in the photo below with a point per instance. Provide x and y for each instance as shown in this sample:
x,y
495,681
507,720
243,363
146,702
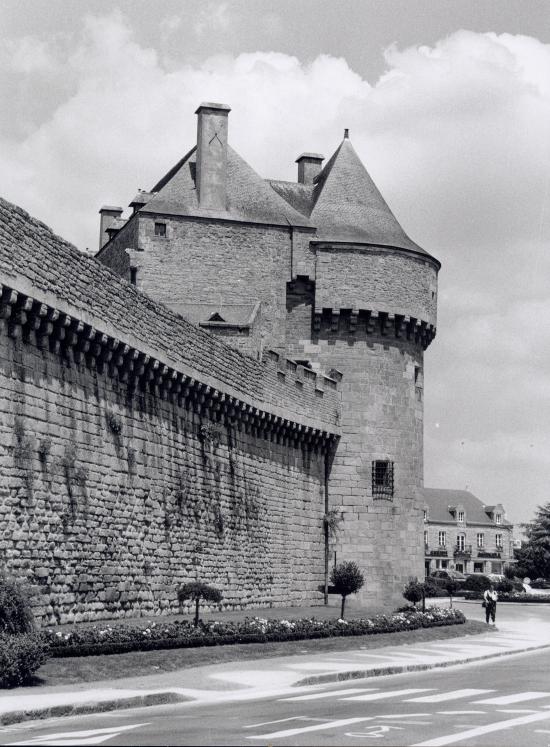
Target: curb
x,y
151,699
357,674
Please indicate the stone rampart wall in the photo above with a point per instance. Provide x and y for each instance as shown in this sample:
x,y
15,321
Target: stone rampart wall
x,y
112,493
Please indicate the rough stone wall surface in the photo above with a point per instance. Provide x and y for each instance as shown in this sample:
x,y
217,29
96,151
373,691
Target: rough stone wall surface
x,y
217,261
376,278
114,254
111,498
381,419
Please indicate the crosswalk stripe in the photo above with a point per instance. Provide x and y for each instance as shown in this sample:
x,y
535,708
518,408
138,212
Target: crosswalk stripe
x,y
389,694
477,731
315,727
330,694
514,698
453,695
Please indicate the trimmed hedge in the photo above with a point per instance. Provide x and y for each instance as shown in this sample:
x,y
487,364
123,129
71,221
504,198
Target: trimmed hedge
x,y
117,639
20,657
513,597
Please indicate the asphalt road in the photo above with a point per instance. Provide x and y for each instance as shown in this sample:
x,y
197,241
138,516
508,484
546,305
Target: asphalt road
x,y
501,702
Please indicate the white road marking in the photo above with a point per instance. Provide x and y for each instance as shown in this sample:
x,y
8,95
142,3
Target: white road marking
x,y
458,713
517,710
477,731
91,736
315,727
453,695
389,694
405,715
514,698
330,694
278,721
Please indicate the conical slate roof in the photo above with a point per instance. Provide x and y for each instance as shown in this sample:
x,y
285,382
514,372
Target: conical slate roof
x,y
348,206
249,197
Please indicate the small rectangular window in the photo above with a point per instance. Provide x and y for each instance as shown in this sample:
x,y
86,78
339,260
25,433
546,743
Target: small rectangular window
x,y
461,515
133,275
160,229
442,537
426,537
498,541
480,539
382,479
425,514
460,542
498,518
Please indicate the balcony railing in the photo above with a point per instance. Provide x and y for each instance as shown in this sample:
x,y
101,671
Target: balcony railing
x,y
463,552
436,552
487,554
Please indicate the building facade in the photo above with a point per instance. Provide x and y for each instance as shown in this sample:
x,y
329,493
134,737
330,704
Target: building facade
x,y
243,357
463,534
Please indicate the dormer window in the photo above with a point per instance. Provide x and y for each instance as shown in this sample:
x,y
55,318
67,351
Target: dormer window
x,y
460,516
425,514
498,518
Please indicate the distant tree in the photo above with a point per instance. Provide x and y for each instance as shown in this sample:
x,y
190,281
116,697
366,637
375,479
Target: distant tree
x,y
197,591
347,579
534,555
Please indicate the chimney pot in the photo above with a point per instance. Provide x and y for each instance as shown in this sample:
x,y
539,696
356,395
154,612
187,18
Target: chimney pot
x,y
346,134
309,165
211,168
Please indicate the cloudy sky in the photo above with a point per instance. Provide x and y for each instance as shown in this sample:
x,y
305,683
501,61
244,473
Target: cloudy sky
x,y
448,104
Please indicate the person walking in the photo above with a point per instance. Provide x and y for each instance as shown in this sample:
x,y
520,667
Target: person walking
x,y
490,598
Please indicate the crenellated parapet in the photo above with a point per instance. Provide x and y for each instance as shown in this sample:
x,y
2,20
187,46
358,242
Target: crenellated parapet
x,y
372,322
29,319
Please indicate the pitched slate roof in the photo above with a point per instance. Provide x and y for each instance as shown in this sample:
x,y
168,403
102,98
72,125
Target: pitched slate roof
x,y
344,204
438,501
349,207
249,197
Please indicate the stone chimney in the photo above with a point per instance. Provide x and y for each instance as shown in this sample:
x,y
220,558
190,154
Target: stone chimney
x,y
211,172
309,165
108,214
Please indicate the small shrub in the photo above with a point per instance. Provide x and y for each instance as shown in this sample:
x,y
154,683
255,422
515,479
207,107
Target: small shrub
x,y
504,587
477,582
20,657
432,587
414,592
347,579
332,521
15,610
114,423
197,591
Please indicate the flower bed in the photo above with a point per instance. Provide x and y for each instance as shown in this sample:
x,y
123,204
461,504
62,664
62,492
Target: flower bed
x,y
515,596
181,634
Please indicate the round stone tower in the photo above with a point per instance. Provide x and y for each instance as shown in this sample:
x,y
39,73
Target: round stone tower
x,y
373,297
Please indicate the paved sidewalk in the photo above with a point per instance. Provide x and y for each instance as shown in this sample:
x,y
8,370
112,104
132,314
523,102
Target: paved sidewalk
x,y
268,677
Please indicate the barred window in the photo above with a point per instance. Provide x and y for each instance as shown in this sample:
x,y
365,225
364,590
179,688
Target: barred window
x,y
382,479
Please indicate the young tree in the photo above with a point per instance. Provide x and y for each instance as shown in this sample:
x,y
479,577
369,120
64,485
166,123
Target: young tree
x,y
534,556
195,590
451,587
414,592
347,579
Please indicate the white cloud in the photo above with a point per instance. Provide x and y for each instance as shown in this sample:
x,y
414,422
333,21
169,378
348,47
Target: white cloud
x,y
455,135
